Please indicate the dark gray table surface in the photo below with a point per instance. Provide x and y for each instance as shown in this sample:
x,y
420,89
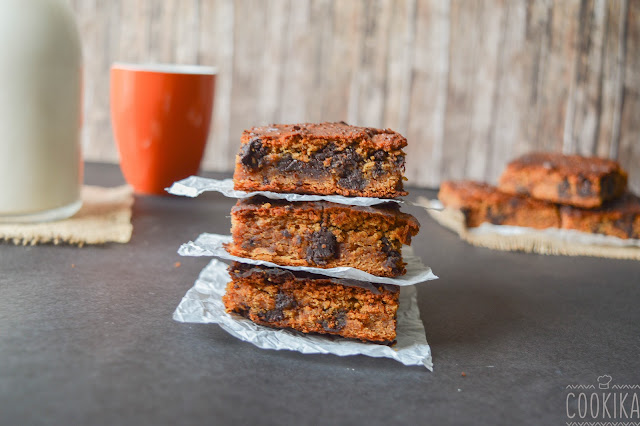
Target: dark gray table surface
x,y
96,344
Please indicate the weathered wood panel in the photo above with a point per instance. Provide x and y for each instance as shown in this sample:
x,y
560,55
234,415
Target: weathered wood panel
x,y
471,83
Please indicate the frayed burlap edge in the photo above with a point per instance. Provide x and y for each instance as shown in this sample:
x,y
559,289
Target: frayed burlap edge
x,y
105,217
531,243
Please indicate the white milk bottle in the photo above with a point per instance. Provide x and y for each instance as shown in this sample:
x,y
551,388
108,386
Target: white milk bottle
x,y
40,111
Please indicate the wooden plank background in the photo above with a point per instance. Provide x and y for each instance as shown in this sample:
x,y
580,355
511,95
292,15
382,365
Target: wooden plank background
x,y
470,83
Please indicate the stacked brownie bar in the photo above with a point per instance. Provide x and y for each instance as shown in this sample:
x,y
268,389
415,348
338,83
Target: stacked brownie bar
x,y
545,190
319,159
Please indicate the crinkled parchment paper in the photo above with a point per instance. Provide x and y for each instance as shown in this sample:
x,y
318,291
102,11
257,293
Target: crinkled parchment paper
x,y
213,245
203,304
196,185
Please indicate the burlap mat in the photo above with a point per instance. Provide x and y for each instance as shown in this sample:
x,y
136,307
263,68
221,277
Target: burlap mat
x,y
535,242
105,216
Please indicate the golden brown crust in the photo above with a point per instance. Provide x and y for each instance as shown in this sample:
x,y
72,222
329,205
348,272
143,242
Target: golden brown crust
x,y
322,234
619,218
481,203
323,159
316,134
311,304
567,179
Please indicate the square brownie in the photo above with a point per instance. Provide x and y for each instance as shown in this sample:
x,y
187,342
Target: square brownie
x,y
310,303
322,159
481,202
619,218
584,182
322,234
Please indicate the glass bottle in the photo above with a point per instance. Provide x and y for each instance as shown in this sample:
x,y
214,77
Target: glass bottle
x,y
40,111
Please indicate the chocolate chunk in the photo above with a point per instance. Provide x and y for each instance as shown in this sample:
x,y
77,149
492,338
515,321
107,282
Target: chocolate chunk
x,y
625,224
379,155
296,127
323,246
514,202
379,158
325,152
521,189
394,258
252,154
495,217
377,171
392,261
242,310
335,324
355,180
316,165
250,243
564,189
386,245
285,301
272,315
346,161
346,165
584,188
288,164
607,186
285,233
399,161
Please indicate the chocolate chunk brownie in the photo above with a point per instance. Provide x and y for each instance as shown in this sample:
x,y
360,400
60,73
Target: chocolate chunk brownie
x,y
619,218
311,303
323,159
322,234
480,202
566,179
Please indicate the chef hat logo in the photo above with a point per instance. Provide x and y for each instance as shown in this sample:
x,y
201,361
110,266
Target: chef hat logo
x,y
603,381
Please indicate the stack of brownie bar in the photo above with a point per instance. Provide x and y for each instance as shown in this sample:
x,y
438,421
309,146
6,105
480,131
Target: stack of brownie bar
x,y
319,159
545,190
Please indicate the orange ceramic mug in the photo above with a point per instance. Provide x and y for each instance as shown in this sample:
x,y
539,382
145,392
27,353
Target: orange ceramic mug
x,y
161,116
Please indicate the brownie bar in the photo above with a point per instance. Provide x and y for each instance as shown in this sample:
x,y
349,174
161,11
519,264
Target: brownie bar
x,y
619,218
322,234
323,159
311,303
480,202
566,179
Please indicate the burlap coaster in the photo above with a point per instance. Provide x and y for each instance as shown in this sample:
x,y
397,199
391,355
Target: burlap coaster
x,y
105,216
533,242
